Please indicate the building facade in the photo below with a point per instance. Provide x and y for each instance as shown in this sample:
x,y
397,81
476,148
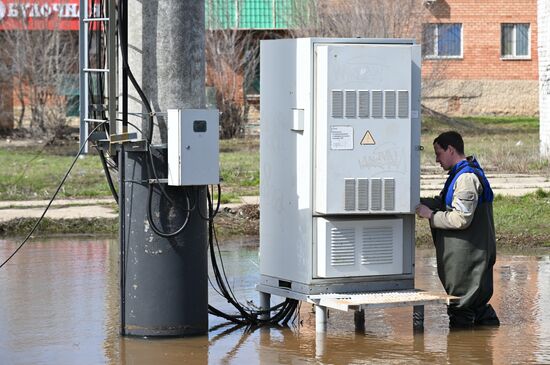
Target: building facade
x,y
480,57
544,72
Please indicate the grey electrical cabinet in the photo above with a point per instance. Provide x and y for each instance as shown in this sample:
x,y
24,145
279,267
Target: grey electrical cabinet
x,y
340,164
193,147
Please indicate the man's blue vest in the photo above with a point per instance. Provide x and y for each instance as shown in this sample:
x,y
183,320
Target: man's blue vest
x,y
472,166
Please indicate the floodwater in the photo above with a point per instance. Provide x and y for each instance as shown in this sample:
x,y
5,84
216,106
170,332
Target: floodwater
x,y
59,305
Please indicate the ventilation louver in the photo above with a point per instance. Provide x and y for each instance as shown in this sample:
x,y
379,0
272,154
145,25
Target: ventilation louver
x,y
362,194
377,104
364,104
389,194
390,104
342,246
376,194
403,102
377,246
351,103
349,191
337,104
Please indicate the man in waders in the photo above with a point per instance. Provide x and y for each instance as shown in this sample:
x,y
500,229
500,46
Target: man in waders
x,y
461,219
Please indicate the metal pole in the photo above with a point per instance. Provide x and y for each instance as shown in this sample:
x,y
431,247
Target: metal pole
x,y
321,314
359,319
418,318
111,54
166,292
265,304
83,80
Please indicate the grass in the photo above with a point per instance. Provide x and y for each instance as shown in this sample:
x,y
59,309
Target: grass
x,y
29,175
520,222
504,145
501,144
240,163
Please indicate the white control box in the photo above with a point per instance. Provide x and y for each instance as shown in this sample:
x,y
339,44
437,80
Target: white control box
x,y
193,147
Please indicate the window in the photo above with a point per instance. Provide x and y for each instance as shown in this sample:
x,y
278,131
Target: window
x,y
514,41
442,40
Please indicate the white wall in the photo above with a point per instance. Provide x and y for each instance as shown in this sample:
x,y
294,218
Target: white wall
x,y
544,75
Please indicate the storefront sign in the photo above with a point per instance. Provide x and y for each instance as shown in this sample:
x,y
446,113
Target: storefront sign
x,y
39,14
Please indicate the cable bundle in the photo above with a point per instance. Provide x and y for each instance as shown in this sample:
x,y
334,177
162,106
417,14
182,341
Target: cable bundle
x,y
282,312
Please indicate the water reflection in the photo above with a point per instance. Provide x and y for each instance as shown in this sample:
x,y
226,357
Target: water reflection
x,y
59,304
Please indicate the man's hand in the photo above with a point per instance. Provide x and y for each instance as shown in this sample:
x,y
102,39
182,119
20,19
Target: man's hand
x,y
423,211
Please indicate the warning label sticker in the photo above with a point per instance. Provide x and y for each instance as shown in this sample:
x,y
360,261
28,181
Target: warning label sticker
x,y
368,139
341,137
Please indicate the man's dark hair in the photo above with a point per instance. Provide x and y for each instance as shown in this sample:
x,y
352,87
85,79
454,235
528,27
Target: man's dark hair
x,y
451,138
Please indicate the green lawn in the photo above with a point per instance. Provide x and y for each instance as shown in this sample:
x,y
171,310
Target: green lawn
x,y
520,222
28,175
503,145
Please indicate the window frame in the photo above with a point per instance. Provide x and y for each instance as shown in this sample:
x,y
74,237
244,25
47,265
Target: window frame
x,y
514,56
437,56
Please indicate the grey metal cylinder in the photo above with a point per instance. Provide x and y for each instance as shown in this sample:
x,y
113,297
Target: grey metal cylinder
x,y
166,288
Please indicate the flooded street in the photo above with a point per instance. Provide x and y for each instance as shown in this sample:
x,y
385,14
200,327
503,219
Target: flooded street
x,y
59,305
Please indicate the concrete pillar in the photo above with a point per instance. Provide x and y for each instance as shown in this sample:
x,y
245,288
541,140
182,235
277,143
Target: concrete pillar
x,y
165,286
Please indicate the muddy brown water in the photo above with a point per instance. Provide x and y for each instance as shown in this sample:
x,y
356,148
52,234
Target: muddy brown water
x,y
59,305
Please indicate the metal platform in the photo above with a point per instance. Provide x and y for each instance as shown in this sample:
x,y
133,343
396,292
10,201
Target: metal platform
x,y
358,302
401,298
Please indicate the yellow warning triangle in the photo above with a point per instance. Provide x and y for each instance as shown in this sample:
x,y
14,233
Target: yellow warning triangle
x,y
367,139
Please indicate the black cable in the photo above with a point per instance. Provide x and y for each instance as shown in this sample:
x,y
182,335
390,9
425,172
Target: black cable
x,y
152,222
284,311
157,180
128,71
132,124
53,197
107,174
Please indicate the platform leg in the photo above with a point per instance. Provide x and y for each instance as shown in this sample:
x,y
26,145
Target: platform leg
x,y
265,303
321,318
359,318
320,345
418,318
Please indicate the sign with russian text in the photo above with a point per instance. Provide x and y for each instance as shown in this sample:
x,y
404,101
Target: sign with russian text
x,y
39,15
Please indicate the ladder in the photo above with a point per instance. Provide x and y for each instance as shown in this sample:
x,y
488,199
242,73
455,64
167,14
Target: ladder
x,y
88,21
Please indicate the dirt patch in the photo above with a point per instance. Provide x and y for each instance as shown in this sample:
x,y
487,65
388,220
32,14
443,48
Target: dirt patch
x,y
241,221
507,241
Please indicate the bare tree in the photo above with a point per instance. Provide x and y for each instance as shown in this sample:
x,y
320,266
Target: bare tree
x,y
232,57
369,19
357,18
38,60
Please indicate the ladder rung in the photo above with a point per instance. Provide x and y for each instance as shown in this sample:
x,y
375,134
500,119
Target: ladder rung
x,y
89,20
95,120
96,70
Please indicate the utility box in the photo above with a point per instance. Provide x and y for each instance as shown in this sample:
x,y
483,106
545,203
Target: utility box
x,y
340,164
193,147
